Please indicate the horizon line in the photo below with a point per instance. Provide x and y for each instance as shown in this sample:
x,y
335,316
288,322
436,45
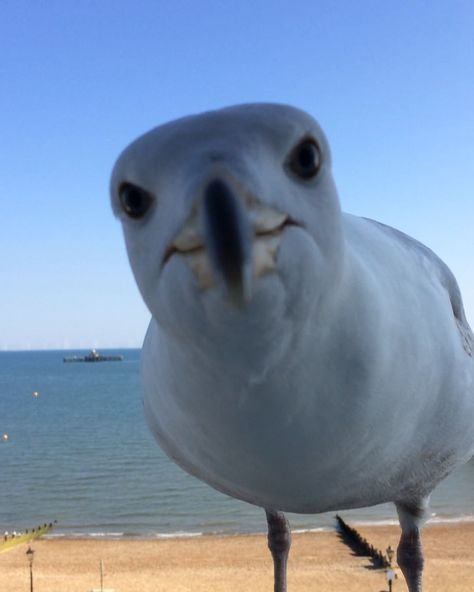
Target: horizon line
x,y
63,349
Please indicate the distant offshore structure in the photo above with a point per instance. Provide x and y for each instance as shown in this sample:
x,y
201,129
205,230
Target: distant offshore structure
x,y
93,356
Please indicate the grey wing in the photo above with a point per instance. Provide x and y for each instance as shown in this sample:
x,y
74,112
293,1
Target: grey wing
x,y
445,277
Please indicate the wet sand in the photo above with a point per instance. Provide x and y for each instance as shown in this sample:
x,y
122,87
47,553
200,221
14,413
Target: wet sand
x,y
319,562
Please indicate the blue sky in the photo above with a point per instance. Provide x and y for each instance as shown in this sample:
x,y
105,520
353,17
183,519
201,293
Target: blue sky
x,y
392,84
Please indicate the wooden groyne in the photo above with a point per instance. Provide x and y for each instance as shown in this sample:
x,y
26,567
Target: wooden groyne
x,y
10,540
361,546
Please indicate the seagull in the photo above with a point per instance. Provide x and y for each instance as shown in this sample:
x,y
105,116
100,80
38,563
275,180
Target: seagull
x,y
298,358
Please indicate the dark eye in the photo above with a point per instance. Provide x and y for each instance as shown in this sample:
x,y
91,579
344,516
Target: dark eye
x,y
135,201
305,159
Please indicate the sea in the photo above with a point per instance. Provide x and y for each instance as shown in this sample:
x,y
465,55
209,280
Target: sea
x,y
75,451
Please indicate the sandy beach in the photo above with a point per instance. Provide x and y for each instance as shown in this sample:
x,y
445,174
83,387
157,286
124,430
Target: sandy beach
x,y
318,561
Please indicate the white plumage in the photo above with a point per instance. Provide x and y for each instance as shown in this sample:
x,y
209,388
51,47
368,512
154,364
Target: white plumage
x,y
337,370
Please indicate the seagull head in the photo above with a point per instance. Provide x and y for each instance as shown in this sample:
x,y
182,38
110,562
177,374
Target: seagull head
x,y
230,214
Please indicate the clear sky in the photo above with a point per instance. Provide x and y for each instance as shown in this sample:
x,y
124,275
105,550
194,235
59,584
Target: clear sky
x,y
392,84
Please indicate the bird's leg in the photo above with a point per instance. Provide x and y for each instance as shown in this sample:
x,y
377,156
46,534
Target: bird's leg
x,y
410,559
279,541
409,552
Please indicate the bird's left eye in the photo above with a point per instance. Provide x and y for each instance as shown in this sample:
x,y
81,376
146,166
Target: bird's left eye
x,y
135,201
305,159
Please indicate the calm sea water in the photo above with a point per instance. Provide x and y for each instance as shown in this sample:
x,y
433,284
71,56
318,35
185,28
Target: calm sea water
x,y
80,453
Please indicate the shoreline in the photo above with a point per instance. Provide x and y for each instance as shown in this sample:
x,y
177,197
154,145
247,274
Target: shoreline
x,y
318,560
180,535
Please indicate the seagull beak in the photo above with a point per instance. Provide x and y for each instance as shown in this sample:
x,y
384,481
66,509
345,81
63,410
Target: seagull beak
x,y
227,234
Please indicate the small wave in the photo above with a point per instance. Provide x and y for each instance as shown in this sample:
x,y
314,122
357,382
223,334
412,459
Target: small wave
x,y
178,535
450,519
85,535
385,522
433,519
304,530
107,534
122,535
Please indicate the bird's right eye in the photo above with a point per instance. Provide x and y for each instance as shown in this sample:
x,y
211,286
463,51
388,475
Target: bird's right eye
x,y
134,200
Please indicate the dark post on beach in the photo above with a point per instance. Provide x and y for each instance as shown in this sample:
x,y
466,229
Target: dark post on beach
x,y
30,553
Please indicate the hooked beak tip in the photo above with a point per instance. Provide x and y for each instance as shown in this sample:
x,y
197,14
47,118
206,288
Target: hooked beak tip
x,y
239,289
